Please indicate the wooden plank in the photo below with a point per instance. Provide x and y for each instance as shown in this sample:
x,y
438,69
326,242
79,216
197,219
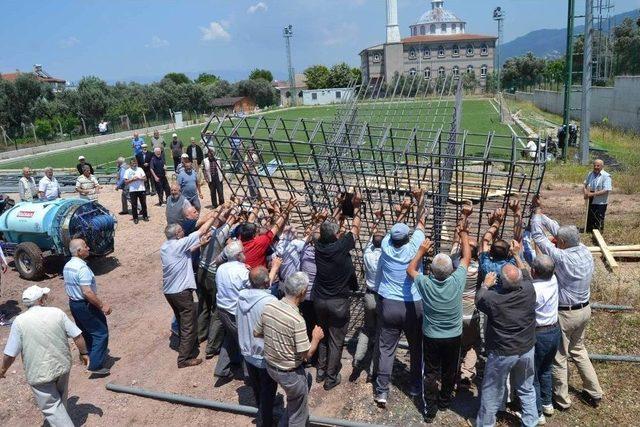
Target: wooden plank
x,y
626,254
605,250
622,248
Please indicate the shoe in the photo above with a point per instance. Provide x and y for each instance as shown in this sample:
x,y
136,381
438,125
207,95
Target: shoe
x,y
211,355
548,410
328,386
189,363
355,374
542,420
102,371
415,389
430,416
320,376
381,399
465,382
123,213
145,218
135,221
590,400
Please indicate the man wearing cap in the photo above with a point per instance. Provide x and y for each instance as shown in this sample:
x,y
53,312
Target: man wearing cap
x,y
184,157
81,163
195,152
144,161
87,185
159,173
136,143
41,334
87,309
176,151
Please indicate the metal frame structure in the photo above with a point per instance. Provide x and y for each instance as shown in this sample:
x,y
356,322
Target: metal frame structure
x,y
385,140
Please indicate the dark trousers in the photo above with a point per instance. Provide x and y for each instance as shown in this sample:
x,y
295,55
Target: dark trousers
x,y
441,359
149,183
547,342
296,385
138,196
162,187
396,317
595,217
209,324
264,390
217,192
176,161
230,353
93,324
333,318
309,315
184,309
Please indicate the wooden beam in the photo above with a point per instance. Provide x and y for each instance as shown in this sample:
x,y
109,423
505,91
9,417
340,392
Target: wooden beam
x,y
605,250
626,254
616,248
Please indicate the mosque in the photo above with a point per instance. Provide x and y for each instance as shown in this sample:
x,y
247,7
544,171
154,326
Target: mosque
x,y
438,45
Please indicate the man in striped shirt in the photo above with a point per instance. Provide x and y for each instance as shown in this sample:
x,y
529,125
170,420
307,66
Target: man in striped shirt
x,y
286,346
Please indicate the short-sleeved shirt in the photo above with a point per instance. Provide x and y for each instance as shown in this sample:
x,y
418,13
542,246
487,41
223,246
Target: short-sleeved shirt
x,y
76,274
599,182
157,166
371,259
176,148
255,250
158,142
392,280
89,185
177,269
135,186
308,266
284,333
41,334
137,145
231,278
335,274
442,303
49,187
175,209
546,301
289,250
490,265
188,183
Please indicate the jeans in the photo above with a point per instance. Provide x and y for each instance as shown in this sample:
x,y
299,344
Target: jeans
x,y
333,318
264,390
397,317
547,342
162,187
184,309
296,386
367,339
522,369
138,196
441,359
93,324
230,353
209,324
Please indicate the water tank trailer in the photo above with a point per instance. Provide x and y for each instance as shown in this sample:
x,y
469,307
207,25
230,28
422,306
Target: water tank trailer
x,y
31,230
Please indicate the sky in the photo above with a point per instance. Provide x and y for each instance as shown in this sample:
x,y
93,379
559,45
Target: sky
x,y
142,40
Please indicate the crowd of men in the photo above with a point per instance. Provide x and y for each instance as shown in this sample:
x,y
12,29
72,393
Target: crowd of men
x,y
273,300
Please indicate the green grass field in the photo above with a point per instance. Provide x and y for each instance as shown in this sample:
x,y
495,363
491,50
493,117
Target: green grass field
x,y
479,116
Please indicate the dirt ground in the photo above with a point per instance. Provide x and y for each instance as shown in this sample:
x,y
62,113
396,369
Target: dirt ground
x,y
130,281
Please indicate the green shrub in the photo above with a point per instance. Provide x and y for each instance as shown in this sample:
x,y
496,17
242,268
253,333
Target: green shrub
x,y
44,129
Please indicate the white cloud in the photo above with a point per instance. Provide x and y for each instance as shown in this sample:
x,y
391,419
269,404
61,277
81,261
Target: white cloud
x,y
215,31
346,32
69,42
260,6
157,42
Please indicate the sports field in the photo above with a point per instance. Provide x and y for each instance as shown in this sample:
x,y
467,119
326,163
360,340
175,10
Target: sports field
x,y
479,116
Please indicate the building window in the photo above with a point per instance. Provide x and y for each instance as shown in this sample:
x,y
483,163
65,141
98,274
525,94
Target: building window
x,y
427,73
470,69
314,96
426,53
455,51
440,51
300,94
483,71
412,54
376,57
412,72
422,30
484,50
338,94
414,32
441,72
469,50
432,29
443,28
287,94
456,71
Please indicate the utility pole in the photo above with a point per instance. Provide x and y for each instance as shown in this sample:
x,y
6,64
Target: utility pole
x,y
287,34
568,77
585,116
498,16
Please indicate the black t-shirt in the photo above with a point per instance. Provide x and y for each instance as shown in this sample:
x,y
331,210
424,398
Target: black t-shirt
x,y
511,329
156,164
335,274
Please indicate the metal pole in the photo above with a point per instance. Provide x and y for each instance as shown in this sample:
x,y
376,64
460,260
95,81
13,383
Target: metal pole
x,y
288,33
568,76
585,117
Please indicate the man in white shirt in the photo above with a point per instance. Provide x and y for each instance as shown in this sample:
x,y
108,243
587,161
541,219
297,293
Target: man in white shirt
x,y
27,188
87,185
597,186
531,149
135,178
48,187
178,284
231,278
41,335
103,127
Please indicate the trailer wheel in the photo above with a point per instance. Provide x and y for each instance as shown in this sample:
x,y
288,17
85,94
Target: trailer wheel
x,y
29,261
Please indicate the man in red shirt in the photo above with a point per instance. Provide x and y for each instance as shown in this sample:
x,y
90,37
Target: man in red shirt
x,y
255,247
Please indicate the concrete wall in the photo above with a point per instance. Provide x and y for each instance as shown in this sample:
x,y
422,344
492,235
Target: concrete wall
x,y
326,96
523,96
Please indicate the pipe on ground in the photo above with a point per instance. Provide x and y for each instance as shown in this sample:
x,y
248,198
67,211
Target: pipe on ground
x,y
222,406
614,358
597,305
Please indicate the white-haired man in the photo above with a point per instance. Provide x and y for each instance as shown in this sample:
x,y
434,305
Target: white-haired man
x,y
48,187
41,334
178,284
87,309
27,189
122,166
597,186
159,172
286,347
574,271
441,293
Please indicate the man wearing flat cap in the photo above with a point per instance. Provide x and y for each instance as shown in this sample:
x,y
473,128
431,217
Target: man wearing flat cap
x,y
82,162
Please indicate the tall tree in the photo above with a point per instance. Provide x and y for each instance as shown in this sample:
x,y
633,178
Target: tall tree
x,y
340,75
259,73
260,89
207,79
317,77
626,48
177,78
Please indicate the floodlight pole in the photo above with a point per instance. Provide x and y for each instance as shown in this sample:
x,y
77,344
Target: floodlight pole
x,y
585,116
568,77
498,16
287,33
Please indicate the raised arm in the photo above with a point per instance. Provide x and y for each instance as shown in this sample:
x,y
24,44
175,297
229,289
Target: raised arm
x,y
495,221
276,263
515,249
420,210
357,205
514,206
282,220
465,247
413,267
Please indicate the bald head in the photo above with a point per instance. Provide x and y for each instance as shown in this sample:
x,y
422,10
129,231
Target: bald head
x,y
542,267
598,165
511,276
259,277
78,248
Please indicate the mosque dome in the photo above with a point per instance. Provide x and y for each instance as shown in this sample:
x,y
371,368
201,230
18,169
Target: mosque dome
x,y
438,21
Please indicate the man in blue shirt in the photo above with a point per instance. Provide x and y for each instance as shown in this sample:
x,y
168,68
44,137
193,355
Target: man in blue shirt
x,y
120,185
190,184
597,186
136,144
400,303
494,253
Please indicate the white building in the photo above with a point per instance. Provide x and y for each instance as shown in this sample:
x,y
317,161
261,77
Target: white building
x,y
326,96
